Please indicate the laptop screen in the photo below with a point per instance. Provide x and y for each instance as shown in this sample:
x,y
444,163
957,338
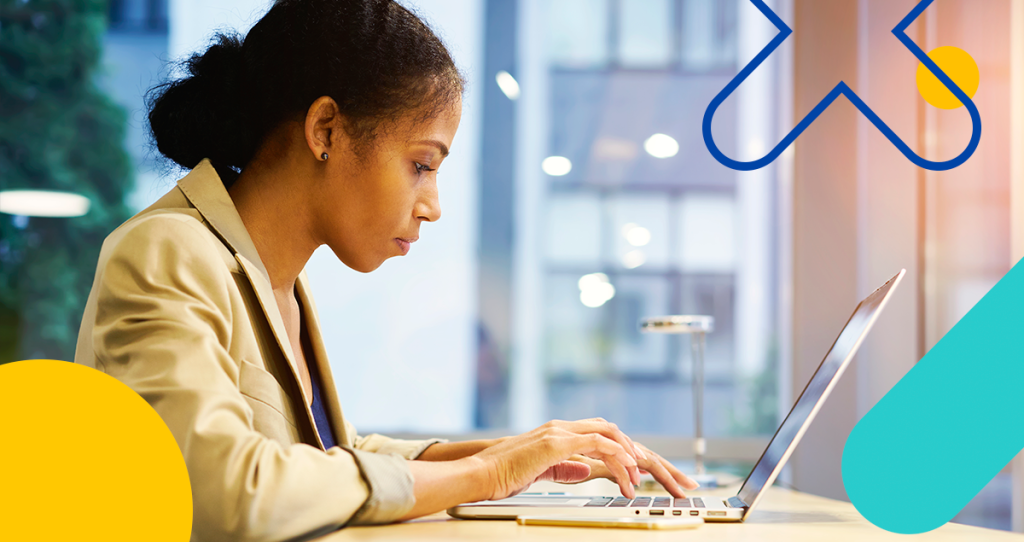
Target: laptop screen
x,y
799,418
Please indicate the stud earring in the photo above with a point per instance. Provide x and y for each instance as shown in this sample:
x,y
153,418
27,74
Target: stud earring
x,y
323,156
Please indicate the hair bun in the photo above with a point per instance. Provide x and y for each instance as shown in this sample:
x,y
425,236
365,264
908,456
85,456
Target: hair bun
x,y
201,115
377,60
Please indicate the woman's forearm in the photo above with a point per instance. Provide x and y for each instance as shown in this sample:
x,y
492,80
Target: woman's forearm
x,y
450,451
440,485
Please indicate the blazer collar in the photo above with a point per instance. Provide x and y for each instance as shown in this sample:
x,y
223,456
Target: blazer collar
x,y
204,189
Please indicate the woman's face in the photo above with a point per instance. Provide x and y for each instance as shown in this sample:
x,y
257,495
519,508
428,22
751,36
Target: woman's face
x,y
373,203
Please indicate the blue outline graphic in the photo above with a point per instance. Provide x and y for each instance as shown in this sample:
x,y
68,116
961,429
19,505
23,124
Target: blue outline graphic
x,y
841,89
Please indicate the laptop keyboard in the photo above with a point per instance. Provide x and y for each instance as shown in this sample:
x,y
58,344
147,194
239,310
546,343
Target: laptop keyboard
x,y
645,502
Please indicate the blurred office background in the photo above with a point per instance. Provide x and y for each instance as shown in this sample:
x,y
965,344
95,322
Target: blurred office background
x,y
579,198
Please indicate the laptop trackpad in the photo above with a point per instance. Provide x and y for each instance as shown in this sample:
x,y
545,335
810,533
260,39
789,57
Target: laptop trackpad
x,y
535,501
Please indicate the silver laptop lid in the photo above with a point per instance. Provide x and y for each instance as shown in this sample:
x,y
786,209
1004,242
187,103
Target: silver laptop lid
x,y
814,395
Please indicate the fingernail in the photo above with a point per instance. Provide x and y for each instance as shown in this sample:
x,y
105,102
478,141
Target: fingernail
x,y
639,452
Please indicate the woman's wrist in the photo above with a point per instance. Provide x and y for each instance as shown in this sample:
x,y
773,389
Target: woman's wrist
x,y
442,484
480,478
451,451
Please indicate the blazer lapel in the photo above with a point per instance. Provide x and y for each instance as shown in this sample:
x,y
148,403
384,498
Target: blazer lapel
x,y
261,285
204,189
328,391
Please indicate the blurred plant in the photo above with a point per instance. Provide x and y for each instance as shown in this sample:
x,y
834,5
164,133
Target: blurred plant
x,y
57,132
759,396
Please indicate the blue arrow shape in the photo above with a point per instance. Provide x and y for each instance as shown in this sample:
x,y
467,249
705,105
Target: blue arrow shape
x,y
841,89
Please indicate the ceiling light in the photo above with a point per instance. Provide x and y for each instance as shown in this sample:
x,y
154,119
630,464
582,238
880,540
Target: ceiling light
x,y
661,146
508,84
592,280
556,166
595,290
43,203
637,236
633,259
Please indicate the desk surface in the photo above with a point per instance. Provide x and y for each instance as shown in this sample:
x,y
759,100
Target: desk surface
x,y
782,515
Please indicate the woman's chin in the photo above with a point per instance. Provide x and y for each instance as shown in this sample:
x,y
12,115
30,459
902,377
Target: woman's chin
x,y
362,265
367,267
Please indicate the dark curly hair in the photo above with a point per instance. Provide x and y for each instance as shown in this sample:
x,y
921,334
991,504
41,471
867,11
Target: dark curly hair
x,y
375,58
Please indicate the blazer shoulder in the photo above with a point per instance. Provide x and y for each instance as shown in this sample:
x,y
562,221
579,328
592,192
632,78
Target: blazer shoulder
x,y
184,231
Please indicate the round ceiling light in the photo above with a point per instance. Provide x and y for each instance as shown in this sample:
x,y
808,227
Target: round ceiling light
x,y
45,203
661,146
595,290
508,85
556,166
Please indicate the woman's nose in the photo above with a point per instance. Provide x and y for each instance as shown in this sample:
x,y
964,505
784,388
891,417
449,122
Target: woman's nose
x,y
429,206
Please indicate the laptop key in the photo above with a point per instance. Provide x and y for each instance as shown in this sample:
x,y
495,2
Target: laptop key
x,y
619,502
662,502
698,502
599,501
641,502
682,503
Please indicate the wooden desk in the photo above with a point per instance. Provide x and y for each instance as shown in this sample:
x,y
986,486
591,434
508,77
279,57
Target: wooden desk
x,y
782,515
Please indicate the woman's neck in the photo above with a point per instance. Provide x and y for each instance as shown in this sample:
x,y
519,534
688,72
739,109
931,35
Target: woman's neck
x,y
272,204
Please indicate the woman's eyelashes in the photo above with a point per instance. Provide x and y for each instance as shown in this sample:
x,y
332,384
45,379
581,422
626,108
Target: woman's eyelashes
x,y
420,168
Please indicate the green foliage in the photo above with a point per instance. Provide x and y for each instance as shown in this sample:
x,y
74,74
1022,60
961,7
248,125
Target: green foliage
x,y
759,414
57,132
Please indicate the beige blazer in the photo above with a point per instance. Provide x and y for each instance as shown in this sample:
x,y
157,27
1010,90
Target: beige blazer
x,y
182,311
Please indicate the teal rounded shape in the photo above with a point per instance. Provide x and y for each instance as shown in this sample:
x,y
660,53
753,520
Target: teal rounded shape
x,y
949,425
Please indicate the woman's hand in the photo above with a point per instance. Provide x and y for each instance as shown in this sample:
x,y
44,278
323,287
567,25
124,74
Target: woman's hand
x,y
516,462
664,472
557,451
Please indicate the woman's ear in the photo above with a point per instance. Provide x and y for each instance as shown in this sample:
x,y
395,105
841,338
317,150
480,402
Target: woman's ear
x,y
322,120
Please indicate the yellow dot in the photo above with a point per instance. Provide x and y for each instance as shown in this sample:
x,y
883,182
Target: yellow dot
x,y
959,66
86,458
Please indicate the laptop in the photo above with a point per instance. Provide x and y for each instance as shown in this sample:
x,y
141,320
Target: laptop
x,y
773,459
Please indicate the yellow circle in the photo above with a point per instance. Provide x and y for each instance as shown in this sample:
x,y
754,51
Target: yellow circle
x,y
959,66
86,458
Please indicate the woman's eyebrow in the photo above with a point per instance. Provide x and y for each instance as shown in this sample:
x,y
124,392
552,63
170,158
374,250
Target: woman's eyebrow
x,y
435,143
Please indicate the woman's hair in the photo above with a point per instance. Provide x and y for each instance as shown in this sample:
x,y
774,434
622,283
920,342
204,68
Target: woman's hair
x,y
376,59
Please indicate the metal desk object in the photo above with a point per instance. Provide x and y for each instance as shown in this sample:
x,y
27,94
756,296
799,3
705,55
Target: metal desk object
x,y
697,327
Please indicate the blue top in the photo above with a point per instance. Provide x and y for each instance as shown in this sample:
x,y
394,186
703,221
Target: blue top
x,y
323,424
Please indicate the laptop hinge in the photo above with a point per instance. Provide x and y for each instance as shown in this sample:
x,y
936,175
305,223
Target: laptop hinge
x,y
736,502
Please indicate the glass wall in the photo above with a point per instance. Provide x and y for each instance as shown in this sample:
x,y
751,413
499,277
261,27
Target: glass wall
x,y
135,59
633,218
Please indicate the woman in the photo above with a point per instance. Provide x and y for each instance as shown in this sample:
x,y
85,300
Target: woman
x,y
325,126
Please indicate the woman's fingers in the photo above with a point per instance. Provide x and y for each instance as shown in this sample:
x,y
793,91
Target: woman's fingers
x,y
623,478
667,475
611,431
661,474
682,479
566,472
613,455
576,451
517,462
663,471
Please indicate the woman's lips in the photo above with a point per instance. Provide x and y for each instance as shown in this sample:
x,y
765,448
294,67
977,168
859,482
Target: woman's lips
x,y
405,244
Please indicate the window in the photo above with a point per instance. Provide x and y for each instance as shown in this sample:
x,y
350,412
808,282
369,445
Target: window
x,y
688,35
643,223
645,32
